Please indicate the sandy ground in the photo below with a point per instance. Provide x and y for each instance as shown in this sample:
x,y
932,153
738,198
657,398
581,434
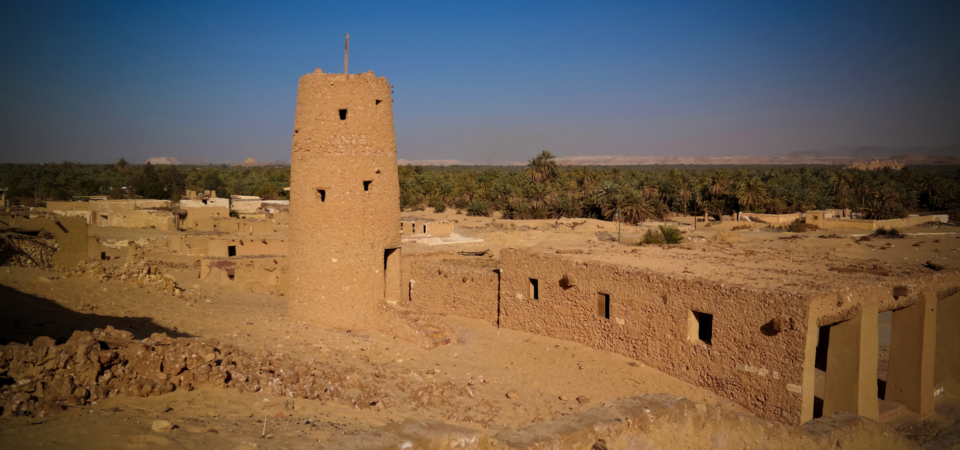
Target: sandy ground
x,y
547,374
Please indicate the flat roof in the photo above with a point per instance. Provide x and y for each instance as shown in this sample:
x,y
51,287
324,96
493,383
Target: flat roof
x,y
740,264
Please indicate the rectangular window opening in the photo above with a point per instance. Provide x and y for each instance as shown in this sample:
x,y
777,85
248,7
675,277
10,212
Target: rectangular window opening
x,y
343,114
424,229
323,195
701,327
534,289
378,102
232,250
366,185
603,305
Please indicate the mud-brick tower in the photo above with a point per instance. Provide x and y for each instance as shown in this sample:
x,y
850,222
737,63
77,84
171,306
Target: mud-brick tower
x,y
345,198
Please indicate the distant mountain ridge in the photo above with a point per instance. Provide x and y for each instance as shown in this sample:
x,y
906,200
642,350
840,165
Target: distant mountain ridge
x,y
174,161
623,160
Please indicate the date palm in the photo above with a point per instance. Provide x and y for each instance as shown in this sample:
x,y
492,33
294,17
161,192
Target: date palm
x,y
542,167
751,193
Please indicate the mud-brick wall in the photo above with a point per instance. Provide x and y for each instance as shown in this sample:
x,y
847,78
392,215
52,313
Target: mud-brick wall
x,y
650,320
257,274
437,228
454,287
200,216
161,220
247,247
70,233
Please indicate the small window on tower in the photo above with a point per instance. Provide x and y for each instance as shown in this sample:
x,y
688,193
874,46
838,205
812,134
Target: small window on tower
x,y
343,114
378,102
323,195
366,185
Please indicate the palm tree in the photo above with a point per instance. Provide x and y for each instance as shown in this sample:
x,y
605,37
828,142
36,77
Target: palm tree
x,y
886,201
685,196
542,167
751,193
634,208
608,197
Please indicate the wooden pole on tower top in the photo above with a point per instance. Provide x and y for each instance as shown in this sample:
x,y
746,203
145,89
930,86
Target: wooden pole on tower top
x,y
346,54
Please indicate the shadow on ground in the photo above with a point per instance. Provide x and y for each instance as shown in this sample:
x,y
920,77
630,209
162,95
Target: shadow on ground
x,y
24,317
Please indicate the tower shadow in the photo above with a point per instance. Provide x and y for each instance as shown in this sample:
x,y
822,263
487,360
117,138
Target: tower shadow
x,y
25,317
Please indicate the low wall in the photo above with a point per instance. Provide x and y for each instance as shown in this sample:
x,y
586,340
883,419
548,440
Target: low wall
x,y
255,227
258,274
193,244
244,227
208,203
254,205
462,288
775,219
247,247
870,225
127,218
432,228
199,218
248,206
656,319
160,220
109,205
89,216
69,232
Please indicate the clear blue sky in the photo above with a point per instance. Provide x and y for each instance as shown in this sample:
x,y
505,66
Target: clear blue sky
x,y
480,81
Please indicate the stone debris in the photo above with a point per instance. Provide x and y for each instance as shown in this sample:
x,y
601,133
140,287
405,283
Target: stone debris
x,y
726,237
142,273
513,395
162,426
49,378
583,400
25,250
603,236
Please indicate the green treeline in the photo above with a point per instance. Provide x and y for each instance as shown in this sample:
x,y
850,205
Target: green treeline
x,y
541,189
544,190
63,181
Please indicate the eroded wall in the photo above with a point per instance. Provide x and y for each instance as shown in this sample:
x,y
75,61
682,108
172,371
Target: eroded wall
x,y
201,218
258,274
247,247
651,319
69,232
109,205
463,288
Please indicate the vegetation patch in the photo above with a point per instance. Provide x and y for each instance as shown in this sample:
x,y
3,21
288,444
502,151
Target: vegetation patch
x,y
892,233
796,227
664,234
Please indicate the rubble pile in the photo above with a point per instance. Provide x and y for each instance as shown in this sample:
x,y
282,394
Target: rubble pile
x,y
143,274
25,250
45,378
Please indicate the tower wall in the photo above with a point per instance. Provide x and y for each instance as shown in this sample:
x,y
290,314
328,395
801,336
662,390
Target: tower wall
x,y
345,214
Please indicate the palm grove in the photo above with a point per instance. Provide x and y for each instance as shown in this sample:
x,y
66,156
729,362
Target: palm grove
x,y
542,189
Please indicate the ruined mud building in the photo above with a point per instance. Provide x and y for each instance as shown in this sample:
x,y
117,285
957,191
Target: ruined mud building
x,y
732,324
790,337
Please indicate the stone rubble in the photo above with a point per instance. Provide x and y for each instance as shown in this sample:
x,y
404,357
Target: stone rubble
x,y
49,378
